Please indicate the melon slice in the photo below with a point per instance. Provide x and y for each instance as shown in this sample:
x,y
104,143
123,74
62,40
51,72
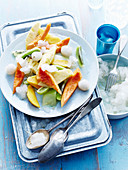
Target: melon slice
x,y
32,33
47,78
62,75
63,63
48,57
71,86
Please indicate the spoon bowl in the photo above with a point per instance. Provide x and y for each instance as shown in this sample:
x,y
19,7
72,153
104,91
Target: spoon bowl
x,y
60,134
37,139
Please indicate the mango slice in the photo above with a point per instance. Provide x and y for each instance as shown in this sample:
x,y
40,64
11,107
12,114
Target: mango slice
x,y
32,96
33,81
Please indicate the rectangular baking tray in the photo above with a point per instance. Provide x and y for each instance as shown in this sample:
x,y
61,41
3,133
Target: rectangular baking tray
x,y
92,131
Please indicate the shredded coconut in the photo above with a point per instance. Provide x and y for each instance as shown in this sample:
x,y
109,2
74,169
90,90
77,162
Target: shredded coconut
x,y
22,91
21,61
38,139
43,50
50,68
42,43
26,69
116,100
72,61
36,56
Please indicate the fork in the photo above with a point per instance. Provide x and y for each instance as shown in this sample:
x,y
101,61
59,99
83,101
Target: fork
x,y
113,75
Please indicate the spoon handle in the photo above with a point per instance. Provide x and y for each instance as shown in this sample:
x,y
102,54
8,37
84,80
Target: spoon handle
x,y
71,115
79,110
86,110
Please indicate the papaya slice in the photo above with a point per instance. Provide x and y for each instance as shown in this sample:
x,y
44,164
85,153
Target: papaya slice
x,y
62,43
32,96
71,86
39,37
18,79
47,78
50,38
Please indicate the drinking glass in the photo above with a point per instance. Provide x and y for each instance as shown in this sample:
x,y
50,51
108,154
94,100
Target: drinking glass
x,y
95,4
107,37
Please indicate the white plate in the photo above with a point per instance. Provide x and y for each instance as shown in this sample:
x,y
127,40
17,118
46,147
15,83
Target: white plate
x,y
123,61
90,72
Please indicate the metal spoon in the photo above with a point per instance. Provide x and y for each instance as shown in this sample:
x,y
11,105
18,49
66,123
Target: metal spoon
x,y
56,143
41,137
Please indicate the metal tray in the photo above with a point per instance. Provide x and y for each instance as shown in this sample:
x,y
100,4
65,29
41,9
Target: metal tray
x,y
92,131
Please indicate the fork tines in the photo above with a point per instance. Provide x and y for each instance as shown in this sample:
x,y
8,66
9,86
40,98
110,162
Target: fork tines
x,y
111,80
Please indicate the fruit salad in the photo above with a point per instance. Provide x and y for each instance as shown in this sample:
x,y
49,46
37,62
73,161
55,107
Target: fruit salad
x,y
45,68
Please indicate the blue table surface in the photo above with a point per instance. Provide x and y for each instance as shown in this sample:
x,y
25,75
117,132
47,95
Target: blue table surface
x,y
113,156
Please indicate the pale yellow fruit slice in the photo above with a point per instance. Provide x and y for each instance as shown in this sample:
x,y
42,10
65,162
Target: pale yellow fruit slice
x,y
32,80
32,96
50,38
32,33
48,57
62,75
64,63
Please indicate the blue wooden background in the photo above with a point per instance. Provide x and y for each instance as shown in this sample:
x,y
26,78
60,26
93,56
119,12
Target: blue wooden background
x,y
113,156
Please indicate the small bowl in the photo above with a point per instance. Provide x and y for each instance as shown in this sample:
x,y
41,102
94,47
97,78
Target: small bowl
x,y
123,61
